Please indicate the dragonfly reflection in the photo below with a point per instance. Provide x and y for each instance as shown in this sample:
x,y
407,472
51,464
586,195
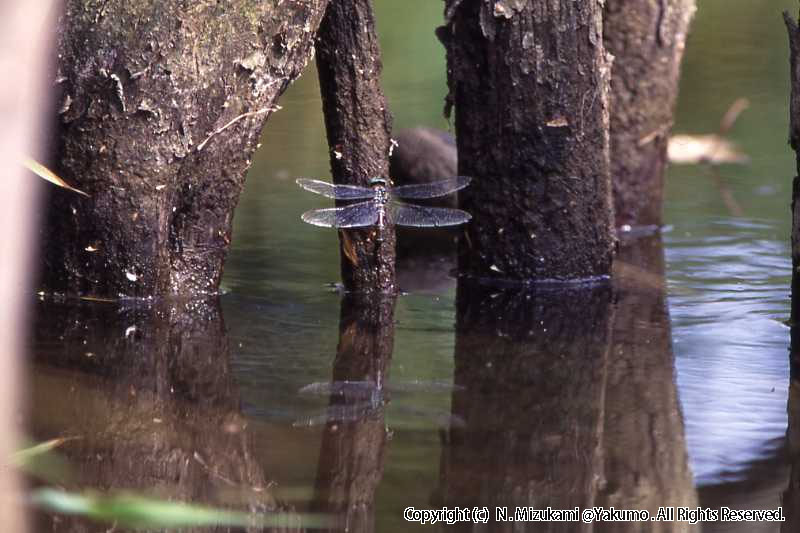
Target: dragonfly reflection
x,y
381,203
365,399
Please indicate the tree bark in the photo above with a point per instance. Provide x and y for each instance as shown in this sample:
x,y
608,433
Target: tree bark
x,y
529,81
794,141
647,39
161,107
358,125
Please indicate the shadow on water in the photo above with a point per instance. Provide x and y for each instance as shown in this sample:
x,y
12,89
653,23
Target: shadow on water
x,y
146,391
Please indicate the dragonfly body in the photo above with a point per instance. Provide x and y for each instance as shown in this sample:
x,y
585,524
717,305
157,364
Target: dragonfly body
x,y
381,201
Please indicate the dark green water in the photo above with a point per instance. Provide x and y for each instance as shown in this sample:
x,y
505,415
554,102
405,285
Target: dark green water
x,y
713,378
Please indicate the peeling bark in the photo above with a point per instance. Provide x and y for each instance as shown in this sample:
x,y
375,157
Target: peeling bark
x,y
647,39
794,141
161,107
358,125
529,81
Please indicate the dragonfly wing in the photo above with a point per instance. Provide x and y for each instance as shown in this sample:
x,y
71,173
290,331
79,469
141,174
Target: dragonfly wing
x,y
424,216
338,192
349,216
431,190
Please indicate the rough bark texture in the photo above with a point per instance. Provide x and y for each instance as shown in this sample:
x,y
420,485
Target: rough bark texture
x,y
529,81
646,38
161,106
529,388
794,141
149,391
358,125
352,454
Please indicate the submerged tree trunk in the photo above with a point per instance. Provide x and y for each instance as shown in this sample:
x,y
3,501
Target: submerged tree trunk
x,y
794,140
647,38
358,124
529,81
161,107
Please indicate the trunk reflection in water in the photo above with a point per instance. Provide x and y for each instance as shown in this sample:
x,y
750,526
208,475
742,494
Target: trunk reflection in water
x,y
569,400
644,449
352,454
147,391
791,498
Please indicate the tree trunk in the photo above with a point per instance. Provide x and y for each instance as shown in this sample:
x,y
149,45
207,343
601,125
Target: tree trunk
x,y
647,38
529,81
358,125
794,140
161,107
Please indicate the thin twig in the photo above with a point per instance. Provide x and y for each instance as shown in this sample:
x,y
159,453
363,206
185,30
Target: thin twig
x,y
234,120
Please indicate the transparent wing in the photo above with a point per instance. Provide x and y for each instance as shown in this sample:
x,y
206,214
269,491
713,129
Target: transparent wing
x,y
345,389
349,216
338,192
431,190
423,216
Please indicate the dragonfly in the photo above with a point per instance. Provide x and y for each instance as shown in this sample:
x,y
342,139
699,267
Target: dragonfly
x,y
381,202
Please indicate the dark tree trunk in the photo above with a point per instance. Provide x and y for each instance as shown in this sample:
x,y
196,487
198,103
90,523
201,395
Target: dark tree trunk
x,y
529,81
352,454
646,38
794,140
162,104
358,124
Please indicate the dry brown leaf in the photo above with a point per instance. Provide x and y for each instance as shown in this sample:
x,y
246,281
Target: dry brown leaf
x,y
48,175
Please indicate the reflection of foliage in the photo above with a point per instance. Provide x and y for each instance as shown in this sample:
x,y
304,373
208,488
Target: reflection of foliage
x,y
131,510
136,511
